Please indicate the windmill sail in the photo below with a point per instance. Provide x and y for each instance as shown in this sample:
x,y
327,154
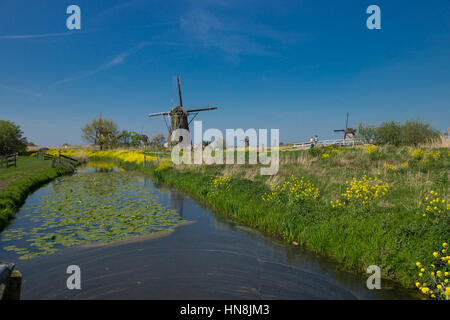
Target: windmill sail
x,y
158,114
349,133
203,109
178,115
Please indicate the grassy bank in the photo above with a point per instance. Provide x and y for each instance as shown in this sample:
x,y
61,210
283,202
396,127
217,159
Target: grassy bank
x,y
16,183
360,206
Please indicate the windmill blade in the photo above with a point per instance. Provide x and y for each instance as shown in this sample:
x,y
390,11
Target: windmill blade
x,y
346,122
202,109
339,130
179,91
158,114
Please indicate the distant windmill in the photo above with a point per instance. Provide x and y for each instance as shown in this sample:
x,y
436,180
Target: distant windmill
x,y
179,116
349,133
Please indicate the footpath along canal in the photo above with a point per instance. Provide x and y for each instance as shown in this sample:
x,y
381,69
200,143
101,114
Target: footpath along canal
x,y
134,239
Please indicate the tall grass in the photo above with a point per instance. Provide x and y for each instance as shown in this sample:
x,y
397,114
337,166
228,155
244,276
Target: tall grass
x,y
442,142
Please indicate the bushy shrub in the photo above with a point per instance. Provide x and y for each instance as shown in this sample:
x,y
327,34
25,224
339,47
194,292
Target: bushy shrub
x,y
415,132
389,132
411,133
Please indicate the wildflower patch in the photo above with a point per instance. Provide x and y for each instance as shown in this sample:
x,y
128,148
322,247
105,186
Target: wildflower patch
x,y
362,192
292,192
433,280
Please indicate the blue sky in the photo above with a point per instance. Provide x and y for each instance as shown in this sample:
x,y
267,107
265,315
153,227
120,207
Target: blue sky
x,y
294,65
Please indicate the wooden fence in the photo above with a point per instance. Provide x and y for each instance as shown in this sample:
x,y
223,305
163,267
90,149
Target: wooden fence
x,y
65,161
60,160
8,161
10,282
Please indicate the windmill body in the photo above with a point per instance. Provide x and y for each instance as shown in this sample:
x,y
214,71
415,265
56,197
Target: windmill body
x,y
349,133
179,116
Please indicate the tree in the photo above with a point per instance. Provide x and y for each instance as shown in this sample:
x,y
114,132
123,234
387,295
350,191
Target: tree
x,y
158,140
100,131
11,138
136,139
366,133
388,132
124,138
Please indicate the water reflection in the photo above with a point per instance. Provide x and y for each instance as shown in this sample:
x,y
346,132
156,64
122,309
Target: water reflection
x,y
174,199
100,166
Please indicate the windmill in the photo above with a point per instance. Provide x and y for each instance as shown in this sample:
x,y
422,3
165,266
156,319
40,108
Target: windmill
x,y
179,116
349,133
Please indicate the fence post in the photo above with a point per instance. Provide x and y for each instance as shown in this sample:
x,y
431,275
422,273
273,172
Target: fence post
x,y
15,160
13,286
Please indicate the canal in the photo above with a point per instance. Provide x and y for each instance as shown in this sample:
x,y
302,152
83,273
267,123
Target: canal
x,y
134,239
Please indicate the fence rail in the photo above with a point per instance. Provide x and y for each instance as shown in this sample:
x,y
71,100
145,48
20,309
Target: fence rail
x,y
65,161
8,161
337,142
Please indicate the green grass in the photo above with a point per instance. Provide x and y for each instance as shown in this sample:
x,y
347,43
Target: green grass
x,y
25,166
16,183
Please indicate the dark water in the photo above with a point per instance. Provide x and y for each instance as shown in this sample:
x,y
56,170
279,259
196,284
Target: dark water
x,y
212,258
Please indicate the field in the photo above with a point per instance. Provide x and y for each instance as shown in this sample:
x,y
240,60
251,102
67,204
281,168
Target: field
x,y
26,166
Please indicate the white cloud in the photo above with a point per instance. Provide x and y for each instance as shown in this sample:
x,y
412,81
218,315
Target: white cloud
x,y
119,59
233,36
34,36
